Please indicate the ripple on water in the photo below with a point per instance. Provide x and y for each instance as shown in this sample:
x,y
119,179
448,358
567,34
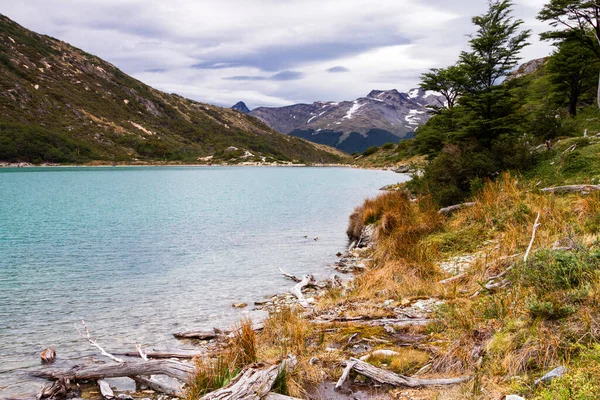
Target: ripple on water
x,y
142,252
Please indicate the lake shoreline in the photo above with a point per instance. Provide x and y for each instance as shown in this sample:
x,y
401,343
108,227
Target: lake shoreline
x,y
279,290
4,165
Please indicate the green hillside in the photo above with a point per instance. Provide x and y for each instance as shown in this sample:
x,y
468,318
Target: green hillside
x,y
60,104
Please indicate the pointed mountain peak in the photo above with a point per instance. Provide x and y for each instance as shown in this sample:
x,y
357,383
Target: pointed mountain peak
x,y
241,107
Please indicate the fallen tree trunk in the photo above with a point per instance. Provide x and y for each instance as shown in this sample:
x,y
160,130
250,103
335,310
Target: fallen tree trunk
x,y
215,333
452,279
201,335
390,378
277,396
571,189
451,209
253,383
174,369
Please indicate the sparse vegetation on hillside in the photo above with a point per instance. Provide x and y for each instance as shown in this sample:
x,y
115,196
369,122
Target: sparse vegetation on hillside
x,y
60,97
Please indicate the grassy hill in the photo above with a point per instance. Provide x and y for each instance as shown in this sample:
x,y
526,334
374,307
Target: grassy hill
x,y
60,104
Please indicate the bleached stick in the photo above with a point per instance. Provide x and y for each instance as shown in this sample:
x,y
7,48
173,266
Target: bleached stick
x,y
535,226
88,337
144,356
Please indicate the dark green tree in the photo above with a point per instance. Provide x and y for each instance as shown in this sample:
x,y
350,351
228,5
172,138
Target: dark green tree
x,y
447,81
481,133
572,70
578,19
494,52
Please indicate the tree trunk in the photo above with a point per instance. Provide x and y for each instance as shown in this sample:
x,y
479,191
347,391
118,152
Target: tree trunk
x,y
573,105
390,378
174,369
598,97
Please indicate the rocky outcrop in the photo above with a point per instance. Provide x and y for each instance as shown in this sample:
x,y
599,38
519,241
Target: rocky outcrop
x,y
527,68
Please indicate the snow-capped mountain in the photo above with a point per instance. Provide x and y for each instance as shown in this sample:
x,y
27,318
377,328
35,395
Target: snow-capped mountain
x,y
382,116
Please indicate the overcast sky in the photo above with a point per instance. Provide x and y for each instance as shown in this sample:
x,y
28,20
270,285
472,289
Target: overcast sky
x,y
269,52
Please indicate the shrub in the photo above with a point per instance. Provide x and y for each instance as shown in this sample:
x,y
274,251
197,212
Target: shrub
x,y
370,150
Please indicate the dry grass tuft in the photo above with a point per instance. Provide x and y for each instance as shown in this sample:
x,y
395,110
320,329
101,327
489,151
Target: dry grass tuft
x,y
243,345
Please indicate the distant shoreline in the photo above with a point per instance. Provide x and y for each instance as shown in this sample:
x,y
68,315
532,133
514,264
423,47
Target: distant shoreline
x,y
168,164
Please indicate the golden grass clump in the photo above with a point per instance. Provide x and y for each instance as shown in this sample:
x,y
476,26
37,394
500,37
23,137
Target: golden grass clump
x,y
407,361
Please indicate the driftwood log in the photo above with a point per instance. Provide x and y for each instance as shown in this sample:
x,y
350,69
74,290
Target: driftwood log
x,y
56,389
183,354
390,378
277,396
297,290
215,333
451,209
253,383
160,387
105,389
572,189
174,369
201,335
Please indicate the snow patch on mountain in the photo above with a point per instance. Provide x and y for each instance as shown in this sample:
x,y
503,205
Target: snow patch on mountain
x,y
355,106
411,117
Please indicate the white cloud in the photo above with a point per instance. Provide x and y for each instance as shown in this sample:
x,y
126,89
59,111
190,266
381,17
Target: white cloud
x,y
384,44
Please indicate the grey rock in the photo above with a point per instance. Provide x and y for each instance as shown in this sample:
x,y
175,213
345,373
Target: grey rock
x,y
513,397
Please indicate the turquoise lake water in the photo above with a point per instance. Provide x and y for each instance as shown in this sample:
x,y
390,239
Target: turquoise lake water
x,y
142,252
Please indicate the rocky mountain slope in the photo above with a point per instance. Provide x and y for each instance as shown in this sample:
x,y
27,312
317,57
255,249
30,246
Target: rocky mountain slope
x,y
60,104
353,126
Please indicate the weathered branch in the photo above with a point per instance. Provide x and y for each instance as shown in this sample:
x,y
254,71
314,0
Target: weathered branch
x,y
535,226
297,290
201,335
88,337
390,378
277,396
165,354
253,383
452,279
174,369
56,389
340,382
215,333
289,276
451,209
584,189
141,352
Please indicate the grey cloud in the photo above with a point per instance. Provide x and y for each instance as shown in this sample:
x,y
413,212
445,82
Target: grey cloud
x,y
280,76
286,76
278,57
338,69
206,49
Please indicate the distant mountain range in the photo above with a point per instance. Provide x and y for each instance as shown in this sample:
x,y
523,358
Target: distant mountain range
x,y
352,126
61,104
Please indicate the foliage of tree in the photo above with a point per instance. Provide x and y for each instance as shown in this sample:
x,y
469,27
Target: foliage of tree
x,y
446,81
481,133
572,70
574,19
